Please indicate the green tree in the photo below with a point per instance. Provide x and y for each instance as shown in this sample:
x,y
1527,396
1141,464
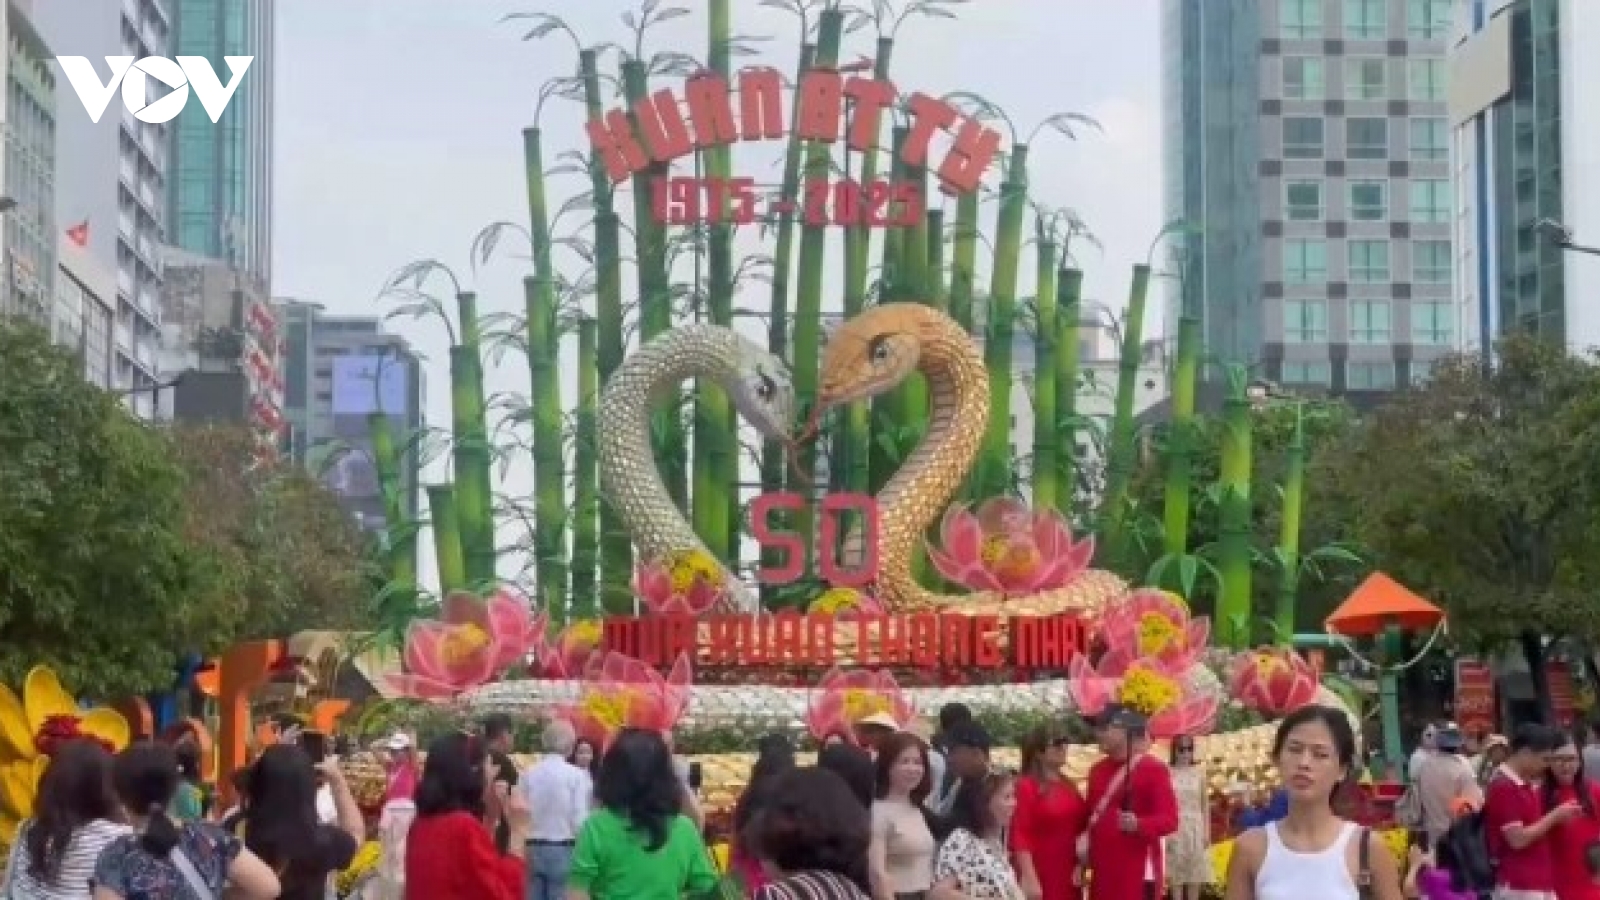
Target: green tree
x,y
297,557
97,577
1478,491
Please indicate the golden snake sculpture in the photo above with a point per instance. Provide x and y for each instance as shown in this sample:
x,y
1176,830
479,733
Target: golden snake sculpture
x,y
757,382
875,352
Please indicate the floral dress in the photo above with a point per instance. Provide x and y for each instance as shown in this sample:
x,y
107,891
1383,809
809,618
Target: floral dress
x,y
1188,857
134,874
980,868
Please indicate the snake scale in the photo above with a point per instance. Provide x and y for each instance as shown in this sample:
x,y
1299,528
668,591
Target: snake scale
x,y
757,382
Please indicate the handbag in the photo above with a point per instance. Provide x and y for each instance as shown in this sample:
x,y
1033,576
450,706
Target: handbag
x,y
191,875
1082,844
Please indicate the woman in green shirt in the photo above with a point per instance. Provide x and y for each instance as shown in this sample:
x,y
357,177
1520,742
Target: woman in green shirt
x,y
636,845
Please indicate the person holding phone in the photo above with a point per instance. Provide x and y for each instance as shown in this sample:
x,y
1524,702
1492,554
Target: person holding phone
x,y
281,823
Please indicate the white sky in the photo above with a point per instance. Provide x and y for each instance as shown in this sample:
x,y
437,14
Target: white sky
x,y
399,138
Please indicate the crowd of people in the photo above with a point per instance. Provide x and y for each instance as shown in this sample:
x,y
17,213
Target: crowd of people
x,y
885,814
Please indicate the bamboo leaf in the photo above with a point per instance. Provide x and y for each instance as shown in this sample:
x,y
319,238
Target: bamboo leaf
x,y
675,64
670,13
649,7
629,20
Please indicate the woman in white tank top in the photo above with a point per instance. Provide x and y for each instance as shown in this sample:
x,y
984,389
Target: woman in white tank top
x,y
1312,854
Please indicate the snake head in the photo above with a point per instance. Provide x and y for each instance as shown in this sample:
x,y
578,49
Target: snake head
x,y
763,392
870,354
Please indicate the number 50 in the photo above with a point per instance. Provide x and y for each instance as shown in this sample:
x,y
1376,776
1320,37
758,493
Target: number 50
x,y
794,548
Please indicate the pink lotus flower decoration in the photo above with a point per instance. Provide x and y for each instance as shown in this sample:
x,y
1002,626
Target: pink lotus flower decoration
x,y
689,583
1008,548
1274,681
1162,695
844,697
1152,624
471,642
622,692
566,657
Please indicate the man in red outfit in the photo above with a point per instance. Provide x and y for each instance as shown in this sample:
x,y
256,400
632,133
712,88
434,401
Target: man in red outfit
x,y
1131,808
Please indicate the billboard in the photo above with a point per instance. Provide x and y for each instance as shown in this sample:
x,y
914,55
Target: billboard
x,y
363,384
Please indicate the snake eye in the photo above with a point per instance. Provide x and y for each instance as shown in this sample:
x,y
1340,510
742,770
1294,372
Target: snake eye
x,y
879,348
766,388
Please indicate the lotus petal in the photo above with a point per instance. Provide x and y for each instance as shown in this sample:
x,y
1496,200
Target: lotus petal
x,y
108,725
43,697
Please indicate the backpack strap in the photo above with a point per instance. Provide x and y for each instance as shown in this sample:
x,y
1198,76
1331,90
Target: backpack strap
x,y
1364,864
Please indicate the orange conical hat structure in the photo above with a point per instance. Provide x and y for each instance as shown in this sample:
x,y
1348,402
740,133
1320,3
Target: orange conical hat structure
x,y
1380,601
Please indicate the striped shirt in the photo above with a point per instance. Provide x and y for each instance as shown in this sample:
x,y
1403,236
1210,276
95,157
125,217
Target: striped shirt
x,y
77,864
812,885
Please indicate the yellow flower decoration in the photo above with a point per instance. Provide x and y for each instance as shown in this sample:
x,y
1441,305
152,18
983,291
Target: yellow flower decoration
x,y
21,721
462,643
609,708
1002,555
362,864
688,566
858,704
834,601
586,631
1156,632
1148,691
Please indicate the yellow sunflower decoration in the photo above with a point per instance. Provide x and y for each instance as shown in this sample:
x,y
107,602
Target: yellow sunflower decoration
x,y
31,727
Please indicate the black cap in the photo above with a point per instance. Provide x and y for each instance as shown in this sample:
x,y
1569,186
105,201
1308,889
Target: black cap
x,y
1448,739
1118,716
1108,715
969,734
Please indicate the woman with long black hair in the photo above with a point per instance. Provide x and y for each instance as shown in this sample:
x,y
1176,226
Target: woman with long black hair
x,y
451,851
774,758
167,860
1570,840
638,844
74,817
281,823
1313,852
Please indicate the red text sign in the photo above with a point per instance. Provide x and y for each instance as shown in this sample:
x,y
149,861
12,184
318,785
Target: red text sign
x,y
881,204
923,640
718,115
793,567
1563,699
1474,699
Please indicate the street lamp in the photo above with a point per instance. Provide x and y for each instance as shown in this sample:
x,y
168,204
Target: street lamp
x,y
1560,235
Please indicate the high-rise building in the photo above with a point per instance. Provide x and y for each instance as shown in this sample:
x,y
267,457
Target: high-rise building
x,y
86,296
1516,83
219,177
111,175
1309,143
29,186
338,370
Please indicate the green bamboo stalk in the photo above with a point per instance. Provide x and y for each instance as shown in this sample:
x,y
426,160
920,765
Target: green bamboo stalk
x,y
858,237
446,538
1069,319
963,259
1181,437
550,500
474,495
716,461
616,546
994,472
585,476
888,415
938,288
1119,464
1233,563
772,452
400,533
1294,500
809,286
1046,332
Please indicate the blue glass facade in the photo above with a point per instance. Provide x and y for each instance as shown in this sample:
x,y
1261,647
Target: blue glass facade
x,y
220,179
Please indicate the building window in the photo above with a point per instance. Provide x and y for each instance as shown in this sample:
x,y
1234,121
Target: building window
x,y
1430,200
1369,261
1369,376
1430,140
1303,200
1365,79
1302,19
1305,322
1427,79
1366,20
1305,261
1430,262
1432,324
1429,20
1420,370
1302,78
1369,201
1302,138
1307,373
1369,322
1366,138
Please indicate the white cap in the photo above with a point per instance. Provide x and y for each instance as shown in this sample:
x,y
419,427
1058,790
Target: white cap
x,y
399,741
880,719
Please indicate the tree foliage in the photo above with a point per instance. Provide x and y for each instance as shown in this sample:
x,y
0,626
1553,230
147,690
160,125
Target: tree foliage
x,y
1478,491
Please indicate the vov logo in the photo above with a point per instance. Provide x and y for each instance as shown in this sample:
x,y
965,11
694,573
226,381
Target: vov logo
x,y
180,75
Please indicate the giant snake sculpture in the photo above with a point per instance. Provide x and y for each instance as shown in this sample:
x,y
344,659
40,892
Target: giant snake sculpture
x,y
761,390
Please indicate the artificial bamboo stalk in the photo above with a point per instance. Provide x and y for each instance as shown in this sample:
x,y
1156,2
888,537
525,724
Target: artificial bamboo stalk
x,y
401,534
1069,319
1233,564
550,502
1294,500
887,414
585,476
809,285
446,539
1181,438
994,473
1119,464
938,288
1046,439
616,547
963,259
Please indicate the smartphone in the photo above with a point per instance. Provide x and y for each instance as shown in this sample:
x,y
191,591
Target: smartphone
x,y
696,776
315,745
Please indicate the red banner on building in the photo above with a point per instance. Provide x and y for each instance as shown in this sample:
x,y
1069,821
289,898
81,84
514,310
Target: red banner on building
x,y
1563,699
1474,702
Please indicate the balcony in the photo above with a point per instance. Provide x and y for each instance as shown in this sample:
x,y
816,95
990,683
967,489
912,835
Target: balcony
x,y
126,286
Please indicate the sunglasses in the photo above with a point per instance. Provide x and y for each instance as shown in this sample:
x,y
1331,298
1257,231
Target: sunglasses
x,y
1183,748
